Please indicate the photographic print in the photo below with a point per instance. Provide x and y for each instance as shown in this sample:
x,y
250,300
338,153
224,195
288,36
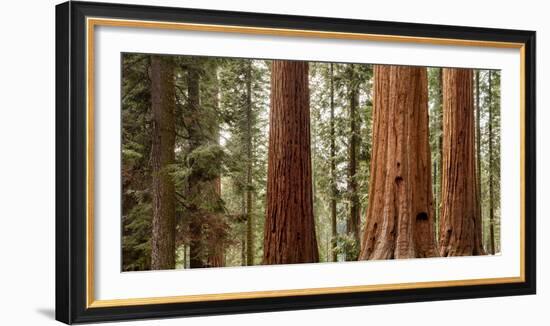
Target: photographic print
x,y
240,162
214,162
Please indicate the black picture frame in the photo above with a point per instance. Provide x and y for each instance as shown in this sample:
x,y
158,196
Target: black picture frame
x,y
71,158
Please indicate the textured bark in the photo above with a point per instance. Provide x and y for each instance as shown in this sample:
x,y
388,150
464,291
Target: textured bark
x,y
249,158
163,105
333,189
460,228
289,235
491,180
400,215
353,222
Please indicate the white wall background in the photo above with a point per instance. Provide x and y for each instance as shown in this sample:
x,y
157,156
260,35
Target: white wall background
x,y
27,161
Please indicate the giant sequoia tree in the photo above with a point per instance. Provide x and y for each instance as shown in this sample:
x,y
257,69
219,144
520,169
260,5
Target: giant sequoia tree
x,y
163,104
400,216
230,162
289,226
460,225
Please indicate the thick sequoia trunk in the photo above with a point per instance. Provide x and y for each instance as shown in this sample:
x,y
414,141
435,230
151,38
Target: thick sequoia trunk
x,y
163,105
249,158
400,215
353,223
460,227
333,189
289,235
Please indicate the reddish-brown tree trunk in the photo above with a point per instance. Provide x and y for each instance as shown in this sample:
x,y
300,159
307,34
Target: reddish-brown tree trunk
x,y
163,99
460,225
289,226
400,215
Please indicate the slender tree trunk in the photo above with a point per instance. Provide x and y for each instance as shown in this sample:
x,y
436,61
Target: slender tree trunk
x,y
243,235
163,99
249,215
353,224
440,149
184,256
196,138
460,229
434,186
478,145
491,180
400,215
212,189
333,189
289,225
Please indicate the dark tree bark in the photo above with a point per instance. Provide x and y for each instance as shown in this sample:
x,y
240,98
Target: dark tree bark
x,y
333,189
353,222
491,167
289,226
400,215
249,158
192,117
460,228
163,105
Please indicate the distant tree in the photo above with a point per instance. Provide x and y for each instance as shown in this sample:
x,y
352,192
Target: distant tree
x,y
243,92
354,219
333,187
491,168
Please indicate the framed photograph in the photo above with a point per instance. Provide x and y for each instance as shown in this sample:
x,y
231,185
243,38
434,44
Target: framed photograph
x,y
212,162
